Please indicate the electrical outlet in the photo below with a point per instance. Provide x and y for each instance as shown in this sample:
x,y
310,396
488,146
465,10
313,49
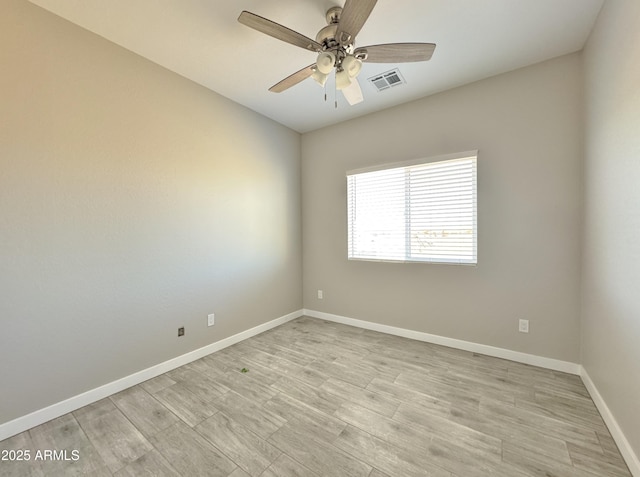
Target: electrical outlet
x,y
320,294
181,331
523,326
211,319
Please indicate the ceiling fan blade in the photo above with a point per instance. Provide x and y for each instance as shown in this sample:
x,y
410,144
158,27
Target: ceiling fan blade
x,y
278,31
293,79
396,52
353,16
353,93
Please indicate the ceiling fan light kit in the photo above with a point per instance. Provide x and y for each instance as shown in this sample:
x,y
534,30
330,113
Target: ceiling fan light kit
x,y
335,45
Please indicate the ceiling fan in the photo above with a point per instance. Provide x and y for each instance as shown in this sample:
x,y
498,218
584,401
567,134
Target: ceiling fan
x,y
335,45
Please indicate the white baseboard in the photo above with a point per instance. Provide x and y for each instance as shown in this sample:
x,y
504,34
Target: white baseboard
x,y
41,416
549,363
630,457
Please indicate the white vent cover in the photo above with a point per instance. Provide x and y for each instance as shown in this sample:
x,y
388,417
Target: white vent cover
x,y
387,80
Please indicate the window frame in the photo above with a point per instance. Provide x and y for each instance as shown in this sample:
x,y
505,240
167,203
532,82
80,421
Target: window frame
x,y
407,236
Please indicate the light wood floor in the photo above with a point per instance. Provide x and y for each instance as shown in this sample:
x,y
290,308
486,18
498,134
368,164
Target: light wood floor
x,y
324,399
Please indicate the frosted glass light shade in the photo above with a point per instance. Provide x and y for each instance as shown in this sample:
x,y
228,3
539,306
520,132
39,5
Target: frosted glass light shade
x,y
319,78
325,62
352,66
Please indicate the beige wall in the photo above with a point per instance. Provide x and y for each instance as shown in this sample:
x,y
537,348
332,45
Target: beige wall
x,y
527,127
611,258
132,202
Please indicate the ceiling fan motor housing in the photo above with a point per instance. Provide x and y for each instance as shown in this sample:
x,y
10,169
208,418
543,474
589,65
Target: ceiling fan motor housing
x,y
327,36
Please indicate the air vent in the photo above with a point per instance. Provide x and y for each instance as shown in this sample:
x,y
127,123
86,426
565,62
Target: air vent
x,y
387,80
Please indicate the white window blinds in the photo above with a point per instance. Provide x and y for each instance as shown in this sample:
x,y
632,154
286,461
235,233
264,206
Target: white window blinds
x,y
423,212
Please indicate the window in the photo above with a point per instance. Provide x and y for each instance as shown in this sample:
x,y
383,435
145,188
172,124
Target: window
x,y
414,212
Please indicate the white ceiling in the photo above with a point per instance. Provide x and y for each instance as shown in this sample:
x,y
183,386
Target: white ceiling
x,y
202,40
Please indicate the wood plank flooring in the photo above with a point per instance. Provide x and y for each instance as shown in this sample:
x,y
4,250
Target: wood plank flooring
x,y
324,399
